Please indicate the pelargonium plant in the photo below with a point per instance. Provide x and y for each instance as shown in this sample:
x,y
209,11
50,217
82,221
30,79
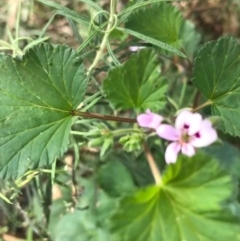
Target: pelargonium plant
x,y
126,136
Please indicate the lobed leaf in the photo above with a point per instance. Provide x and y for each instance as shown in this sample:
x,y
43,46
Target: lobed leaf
x,y
188,206
37,95
137,83
161,22
217,76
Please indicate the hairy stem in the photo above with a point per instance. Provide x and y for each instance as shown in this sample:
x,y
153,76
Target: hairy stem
x,y
153,166
209,102
103,117
111,21
183,91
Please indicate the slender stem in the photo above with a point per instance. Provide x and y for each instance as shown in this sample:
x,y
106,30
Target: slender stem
x,y
111,22
155,171
103,117
183,91
191,99
196,98
18,23
209,102
114,133
173,103
189,61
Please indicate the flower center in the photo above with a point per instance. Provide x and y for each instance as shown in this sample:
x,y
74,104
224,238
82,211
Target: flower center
x,y
185,138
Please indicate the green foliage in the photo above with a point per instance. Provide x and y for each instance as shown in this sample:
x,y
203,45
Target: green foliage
x,y
187,206
119,182
103,188
216,75
190,38
136,84
70,227
228,157
88,221
37,96
161,22
79,225
66,12
131,142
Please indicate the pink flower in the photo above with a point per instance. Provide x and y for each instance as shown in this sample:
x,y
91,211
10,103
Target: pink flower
x,y
135,48
149,120
190,131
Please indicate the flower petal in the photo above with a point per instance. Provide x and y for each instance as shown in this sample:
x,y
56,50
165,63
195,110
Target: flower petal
x,y
172,152
190,120
168,132
188,149
206,135
135,48
149,120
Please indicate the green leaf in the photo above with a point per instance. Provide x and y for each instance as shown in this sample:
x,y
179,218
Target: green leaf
x,y
134,6
137,83
86,224
92,4
188,206
74,226
217,76
114,179
67,12
161,22
5,198
153,41
190,38
227,155
37,95
81,226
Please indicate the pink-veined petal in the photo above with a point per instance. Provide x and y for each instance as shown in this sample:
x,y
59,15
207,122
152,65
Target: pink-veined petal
x,y
168,132
188,119
206,135
149,120
188,149
171,152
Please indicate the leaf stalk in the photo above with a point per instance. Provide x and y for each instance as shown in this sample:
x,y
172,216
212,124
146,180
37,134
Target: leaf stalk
x,y
209,102
153,166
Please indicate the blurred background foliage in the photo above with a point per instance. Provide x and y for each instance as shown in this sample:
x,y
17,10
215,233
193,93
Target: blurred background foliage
x,y
44,205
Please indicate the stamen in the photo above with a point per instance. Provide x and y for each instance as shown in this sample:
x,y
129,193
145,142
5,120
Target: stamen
x,y
186,126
